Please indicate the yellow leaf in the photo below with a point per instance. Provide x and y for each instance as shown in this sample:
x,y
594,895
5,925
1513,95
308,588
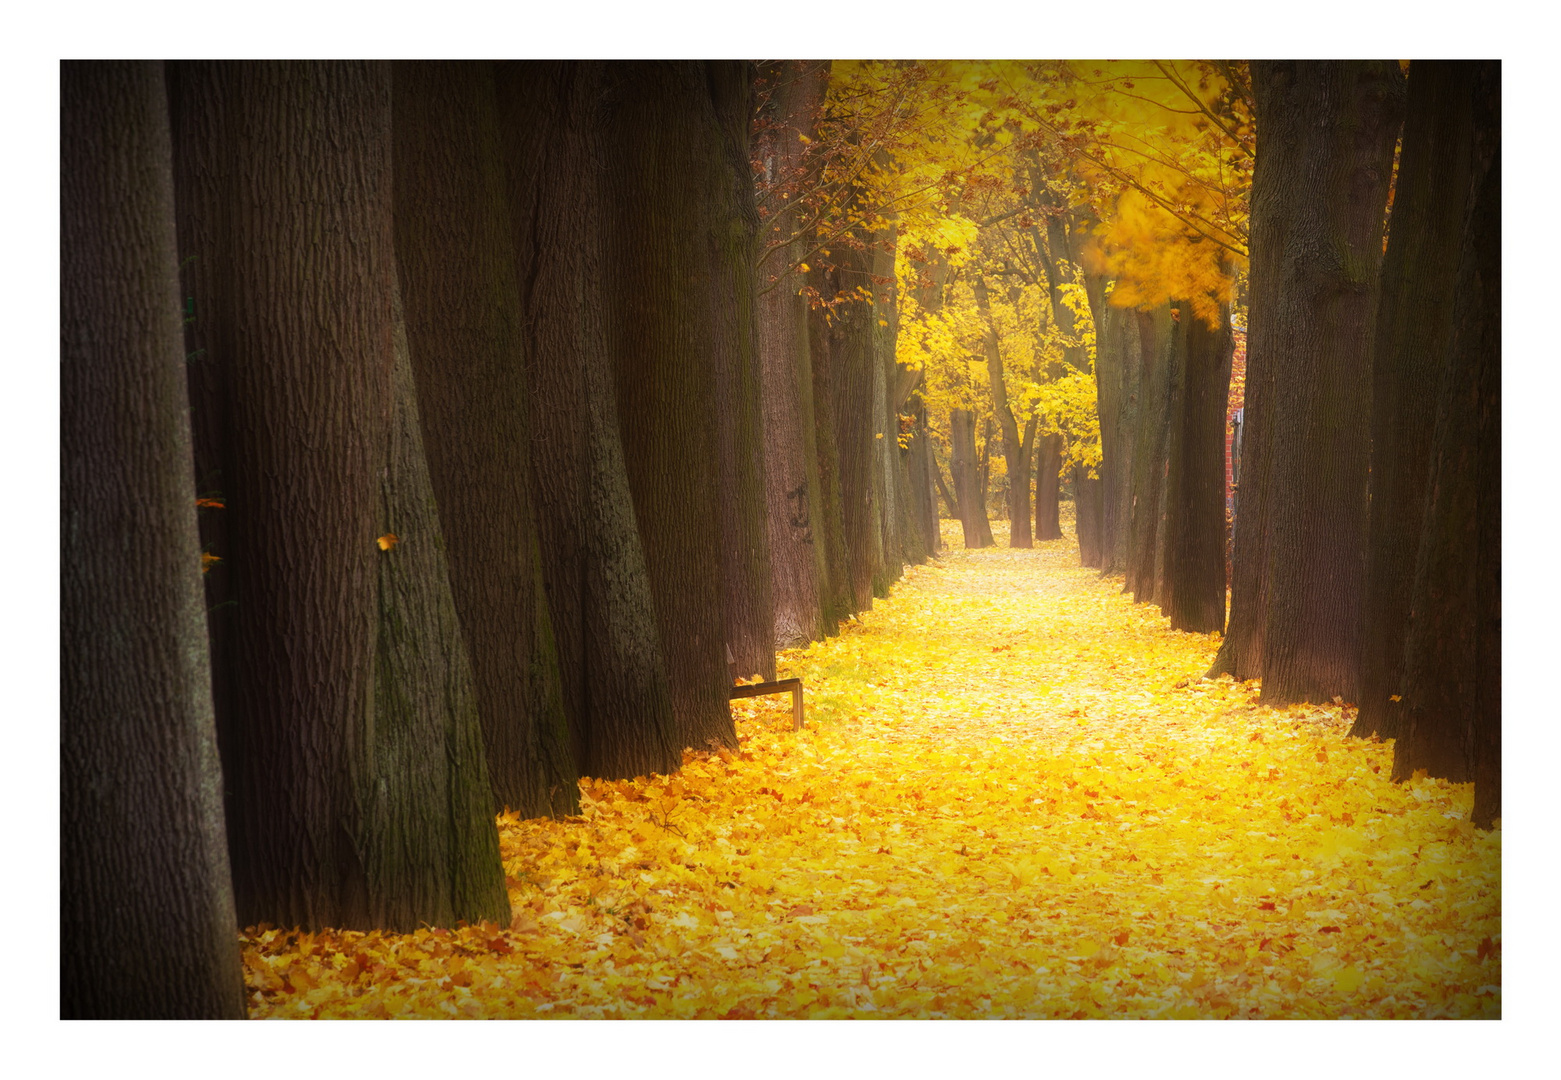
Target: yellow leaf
x,y
388,541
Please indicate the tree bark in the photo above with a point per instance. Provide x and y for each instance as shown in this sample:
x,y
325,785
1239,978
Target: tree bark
x,y
1048,487
667,166
1325,156
146,904
1150,450
852,363
1413,334
1087,507
966,476
748,598
614,674
464,324
835,586
1452,673
1196,522
1119,352
355,765
797,550
1015,451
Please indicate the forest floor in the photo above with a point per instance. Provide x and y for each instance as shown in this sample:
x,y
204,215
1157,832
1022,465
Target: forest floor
x,y
1015,796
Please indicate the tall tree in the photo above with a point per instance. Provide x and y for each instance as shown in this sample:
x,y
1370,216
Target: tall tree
x,y
1195,521
666,168
146,904
1326,132
1048,486
1452,665
793,92
615,683
356,762
464,324
748,598
966,473
1160,344
1409,358
1016,450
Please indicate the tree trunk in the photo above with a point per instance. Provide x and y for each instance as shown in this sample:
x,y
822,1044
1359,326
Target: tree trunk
x,y
797,551
1119,360
146,903
667,169
355,764
984,483
464,324
1015,451
966,476
1452,666
1087,514
1048,487
835,586
748,598
1325,156
1413,332
614,674
920,469
852,363
1196,522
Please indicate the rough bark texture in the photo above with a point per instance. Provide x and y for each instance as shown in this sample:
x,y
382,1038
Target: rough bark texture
x,y
1325,157
146,904
666,167
827,516
1048,487
430,846
353,762
1016,451
1452,673
797,560
1413,332
1086,503
1150,448
852,363
614,677
463,322
1196,519
967,478
747,591
1118,351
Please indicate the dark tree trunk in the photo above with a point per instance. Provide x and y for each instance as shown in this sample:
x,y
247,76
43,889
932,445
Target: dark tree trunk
x,y
1016,451
950,503
355,763
827,516
748,598
146,903
1196,520
967,477
1048,487
984,483
921,469
1150,450
666,173
1413,331
1119,350
1087,514
463,321
797,550
1171,441
1452,665
898,548
852,363
614,676
1325,156
430,848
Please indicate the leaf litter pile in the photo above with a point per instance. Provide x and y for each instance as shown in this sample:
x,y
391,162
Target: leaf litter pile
x,y
1015,797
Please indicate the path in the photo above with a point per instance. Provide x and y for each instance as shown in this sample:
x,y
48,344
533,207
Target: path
x,y
1015,797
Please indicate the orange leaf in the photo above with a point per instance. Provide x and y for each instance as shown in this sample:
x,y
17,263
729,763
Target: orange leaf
x,y
388,541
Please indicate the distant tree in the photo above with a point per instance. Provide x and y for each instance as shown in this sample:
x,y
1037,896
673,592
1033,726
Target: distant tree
x,y
146,903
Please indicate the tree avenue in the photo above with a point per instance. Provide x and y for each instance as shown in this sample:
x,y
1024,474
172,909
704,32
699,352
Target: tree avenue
x,y
521,407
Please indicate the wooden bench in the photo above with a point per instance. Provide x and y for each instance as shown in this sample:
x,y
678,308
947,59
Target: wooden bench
x,y
763,688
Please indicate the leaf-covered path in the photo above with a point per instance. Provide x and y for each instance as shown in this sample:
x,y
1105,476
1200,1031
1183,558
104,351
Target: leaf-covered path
x,y
1015,797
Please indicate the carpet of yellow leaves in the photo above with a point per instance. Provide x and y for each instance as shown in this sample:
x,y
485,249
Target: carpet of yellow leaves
x,y
1015,797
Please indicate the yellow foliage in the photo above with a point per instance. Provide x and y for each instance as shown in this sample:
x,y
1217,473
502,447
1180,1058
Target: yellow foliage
x,y
1015,797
